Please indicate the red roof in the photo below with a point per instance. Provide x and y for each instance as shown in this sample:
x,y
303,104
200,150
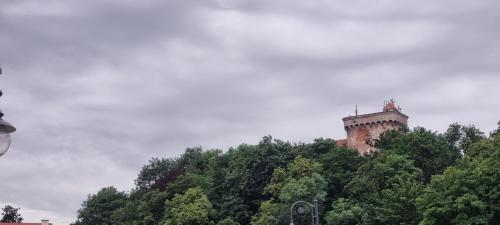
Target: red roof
x,y
23,224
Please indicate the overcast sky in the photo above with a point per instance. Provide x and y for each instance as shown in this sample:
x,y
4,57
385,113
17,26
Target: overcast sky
x,y
96,88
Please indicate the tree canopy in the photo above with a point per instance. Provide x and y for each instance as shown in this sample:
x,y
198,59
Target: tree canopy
x,y
417,176
11,215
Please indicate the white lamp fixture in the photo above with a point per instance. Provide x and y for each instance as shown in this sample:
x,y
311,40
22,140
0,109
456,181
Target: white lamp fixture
x,y
5,129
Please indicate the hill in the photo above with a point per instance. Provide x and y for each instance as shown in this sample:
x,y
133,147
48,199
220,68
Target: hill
x,y
416,177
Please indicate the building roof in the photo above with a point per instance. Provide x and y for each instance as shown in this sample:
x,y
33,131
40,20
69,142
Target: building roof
x,y
23,224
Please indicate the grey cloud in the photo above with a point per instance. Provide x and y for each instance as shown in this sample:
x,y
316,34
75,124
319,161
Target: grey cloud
x,y
96,88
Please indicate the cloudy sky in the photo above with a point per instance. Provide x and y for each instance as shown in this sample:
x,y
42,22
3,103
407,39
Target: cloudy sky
x,y
96,88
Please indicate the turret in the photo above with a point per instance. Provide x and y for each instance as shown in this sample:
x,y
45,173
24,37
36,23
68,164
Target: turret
x,y
362,128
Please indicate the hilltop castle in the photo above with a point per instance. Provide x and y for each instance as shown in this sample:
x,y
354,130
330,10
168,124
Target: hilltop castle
x,y
362,128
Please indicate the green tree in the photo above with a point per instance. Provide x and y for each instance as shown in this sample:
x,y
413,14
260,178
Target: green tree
x,y
192,208
319,147
249,170
228,221
484,148
429,151
403,183
497,131
381,173
466,194
11,215
151,207
345,212
340,165
126,215
461,137
99,208
157,174
397,204
302,180
197,160
382,192
269,213
189,180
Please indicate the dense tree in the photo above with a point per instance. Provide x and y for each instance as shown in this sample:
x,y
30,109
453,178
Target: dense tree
x,y
346,212
402,183
250,168
126,215
189,180
460,137
382,192
315,150
151,207
340,165
197,160
11,215
397,204
381,173
99,208
158,173
429,150
497,131
191,208
484,148
466,194
228,221
302,180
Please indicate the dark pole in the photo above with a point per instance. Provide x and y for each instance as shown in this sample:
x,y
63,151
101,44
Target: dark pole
x,y
316,211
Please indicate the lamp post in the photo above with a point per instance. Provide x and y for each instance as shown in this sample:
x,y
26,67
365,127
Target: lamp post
x,y
303,208
5,129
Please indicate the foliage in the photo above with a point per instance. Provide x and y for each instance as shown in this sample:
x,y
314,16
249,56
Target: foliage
x,y
11,215
158,173
466,194
268,214
339,167
227,221
301,180
497,131
430,151
346,212
397,205
151,207
460,137
383,191
189,180
126,215
383,172
249,170
98,209
192,208
417,177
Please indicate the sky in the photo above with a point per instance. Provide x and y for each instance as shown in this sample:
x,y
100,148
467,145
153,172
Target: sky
x,y
97,88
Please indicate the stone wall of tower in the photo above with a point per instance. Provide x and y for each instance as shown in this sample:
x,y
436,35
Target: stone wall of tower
x,y
362,128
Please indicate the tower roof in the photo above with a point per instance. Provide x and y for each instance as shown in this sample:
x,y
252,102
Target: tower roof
x,y
391,106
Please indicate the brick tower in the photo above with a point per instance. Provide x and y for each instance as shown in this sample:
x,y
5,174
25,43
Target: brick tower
x,y
361,128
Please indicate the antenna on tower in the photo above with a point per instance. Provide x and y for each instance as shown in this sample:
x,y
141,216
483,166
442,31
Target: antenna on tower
x,y
356,110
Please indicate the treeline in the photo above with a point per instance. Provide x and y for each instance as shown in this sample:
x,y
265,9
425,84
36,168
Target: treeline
x,y
417,177
10,214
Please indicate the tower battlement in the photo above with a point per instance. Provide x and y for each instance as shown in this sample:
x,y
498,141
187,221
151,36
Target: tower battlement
x,y
361,128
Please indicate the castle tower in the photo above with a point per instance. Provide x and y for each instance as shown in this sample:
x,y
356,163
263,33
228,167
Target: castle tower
x,y
361,128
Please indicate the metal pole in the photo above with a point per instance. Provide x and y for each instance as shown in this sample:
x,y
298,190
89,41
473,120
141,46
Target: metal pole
x,y
316,211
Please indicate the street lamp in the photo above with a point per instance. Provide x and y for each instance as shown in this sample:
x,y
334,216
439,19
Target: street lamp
x,y
5,129
302,208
